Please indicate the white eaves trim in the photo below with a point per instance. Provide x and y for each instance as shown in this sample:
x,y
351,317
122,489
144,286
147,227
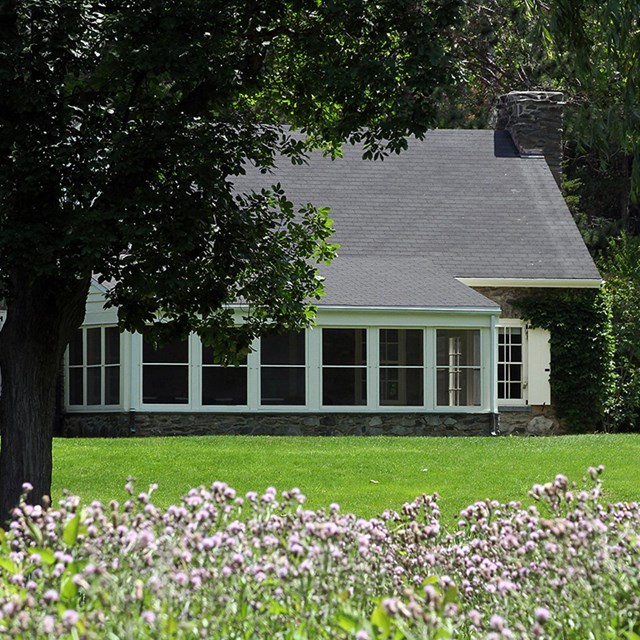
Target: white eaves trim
x,y
551,283
483,310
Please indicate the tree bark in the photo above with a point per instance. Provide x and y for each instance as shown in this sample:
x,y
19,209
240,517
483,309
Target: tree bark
x,y
41,318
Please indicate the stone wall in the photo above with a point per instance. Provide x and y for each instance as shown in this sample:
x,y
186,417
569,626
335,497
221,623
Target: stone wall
x,y
536,420
507,297
533,420
281,424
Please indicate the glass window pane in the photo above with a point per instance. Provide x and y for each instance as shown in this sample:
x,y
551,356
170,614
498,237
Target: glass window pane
x,y
94,346
282,385
94,385
165,384
75,349
346,386
208,353
458,387
401,347
515,391
458,347
174,352
344,346
224,385
76,393
402,387
111,345
112,385
282,348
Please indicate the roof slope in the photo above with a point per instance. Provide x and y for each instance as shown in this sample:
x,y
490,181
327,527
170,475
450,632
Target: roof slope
x,y
395,281
464,199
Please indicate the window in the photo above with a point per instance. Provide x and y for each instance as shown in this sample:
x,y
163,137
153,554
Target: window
x,y
94,367
165,373
510,364
344,370
401,367
458,367
223,385
282,369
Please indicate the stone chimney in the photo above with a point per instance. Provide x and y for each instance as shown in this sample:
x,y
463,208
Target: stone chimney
x,y
534,120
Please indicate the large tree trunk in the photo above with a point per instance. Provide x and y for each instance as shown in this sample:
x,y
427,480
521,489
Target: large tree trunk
x,y
41,318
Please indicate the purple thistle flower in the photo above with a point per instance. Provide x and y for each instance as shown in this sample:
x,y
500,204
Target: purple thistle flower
x,y
70,617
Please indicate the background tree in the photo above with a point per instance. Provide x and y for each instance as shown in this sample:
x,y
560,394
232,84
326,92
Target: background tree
x,y
122,126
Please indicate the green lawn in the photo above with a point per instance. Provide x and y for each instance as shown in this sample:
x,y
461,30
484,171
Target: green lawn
x,y
364,475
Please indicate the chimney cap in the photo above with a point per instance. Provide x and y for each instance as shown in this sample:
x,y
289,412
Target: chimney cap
x,y
548,96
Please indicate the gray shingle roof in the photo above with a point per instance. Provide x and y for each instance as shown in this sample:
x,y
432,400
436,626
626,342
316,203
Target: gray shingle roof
x,y
463,199
394,281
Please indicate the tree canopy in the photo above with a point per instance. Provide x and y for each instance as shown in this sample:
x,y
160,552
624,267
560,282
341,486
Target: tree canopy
x,y
123,125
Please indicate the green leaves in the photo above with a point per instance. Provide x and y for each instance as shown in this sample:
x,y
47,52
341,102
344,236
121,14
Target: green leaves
x,y
71,529
582,349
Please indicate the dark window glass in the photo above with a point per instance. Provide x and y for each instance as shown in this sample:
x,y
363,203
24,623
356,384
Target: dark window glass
x,y
282,385
94,385
344,386
76,386
111,345
208,356
458,346
112,385
344,346
165,384
458,387
75,349
401,387
285,348
94,346
401,347
174,352
224,385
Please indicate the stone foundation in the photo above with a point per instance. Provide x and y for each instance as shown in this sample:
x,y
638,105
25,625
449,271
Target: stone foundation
x,y
284,424
529,421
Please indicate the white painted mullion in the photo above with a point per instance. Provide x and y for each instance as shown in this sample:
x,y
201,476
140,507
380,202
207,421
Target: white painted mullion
x,y
85,368
430,368
125,364
195,372
314,368
253,376
373,368
103,372
135,354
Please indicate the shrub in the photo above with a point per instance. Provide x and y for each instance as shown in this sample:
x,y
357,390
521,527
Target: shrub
x,y
222,566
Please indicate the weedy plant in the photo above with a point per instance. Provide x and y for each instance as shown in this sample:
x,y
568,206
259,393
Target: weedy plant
x,y
219,565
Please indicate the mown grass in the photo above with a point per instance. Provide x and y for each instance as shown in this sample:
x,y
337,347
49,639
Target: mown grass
x,y
364,475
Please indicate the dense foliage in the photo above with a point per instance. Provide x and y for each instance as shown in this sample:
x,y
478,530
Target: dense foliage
x,y
222,566
582,378
124,125
620,265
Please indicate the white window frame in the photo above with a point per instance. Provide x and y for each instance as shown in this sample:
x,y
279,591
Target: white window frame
x,y
132,368
87,408
192,385
401,368
510,323
203,366
371,385
257,357
455,369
